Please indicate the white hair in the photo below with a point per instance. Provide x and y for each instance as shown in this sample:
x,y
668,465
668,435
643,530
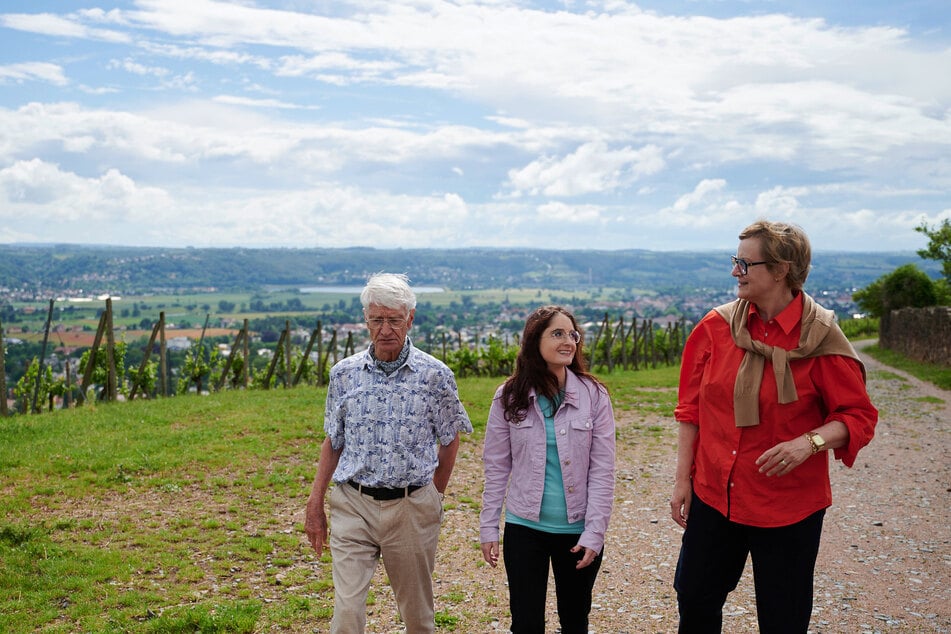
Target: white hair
x,y
390,290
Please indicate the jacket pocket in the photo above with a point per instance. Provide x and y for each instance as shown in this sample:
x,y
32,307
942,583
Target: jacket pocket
x,y
580,431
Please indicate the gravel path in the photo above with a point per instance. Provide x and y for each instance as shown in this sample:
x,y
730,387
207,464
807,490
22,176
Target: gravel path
x,y
884,563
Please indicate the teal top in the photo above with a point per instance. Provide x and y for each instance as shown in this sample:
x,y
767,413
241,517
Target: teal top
x,y
554,512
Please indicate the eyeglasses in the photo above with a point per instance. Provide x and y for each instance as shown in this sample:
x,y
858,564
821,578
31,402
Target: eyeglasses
x,y
560,335
743,265
375,323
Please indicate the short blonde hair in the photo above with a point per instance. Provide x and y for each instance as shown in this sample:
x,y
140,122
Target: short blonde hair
x,y
783,242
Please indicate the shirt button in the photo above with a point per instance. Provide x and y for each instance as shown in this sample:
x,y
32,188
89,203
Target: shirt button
x,y
563,432
571,489
734,452
731,485
567,462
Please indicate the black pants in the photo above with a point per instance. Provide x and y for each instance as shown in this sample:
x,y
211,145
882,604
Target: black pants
x,y
712,557
527,553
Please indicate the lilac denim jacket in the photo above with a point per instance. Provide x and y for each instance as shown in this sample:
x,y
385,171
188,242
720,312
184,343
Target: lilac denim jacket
x,y
514,460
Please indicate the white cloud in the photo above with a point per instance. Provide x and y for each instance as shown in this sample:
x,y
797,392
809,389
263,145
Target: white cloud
x,y
33,71
235,100
705,191
135,68
53,25
49,195
592,168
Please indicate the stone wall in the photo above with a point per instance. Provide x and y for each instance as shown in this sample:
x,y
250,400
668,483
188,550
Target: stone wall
x,y
920,333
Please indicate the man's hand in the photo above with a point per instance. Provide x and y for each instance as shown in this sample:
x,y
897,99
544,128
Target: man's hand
x,y
315,518
315,525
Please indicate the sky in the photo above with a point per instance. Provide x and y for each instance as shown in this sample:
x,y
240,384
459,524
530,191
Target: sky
x,y
661,125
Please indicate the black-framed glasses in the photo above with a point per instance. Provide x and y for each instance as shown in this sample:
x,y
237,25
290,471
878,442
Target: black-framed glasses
x,y
743,265
375,323
560,335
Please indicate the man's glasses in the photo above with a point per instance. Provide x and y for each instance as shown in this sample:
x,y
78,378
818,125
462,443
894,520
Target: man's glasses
x,y
560,335
375,323
743,265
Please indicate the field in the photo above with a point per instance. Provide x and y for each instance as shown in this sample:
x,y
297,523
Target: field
x,y
194,307
84,338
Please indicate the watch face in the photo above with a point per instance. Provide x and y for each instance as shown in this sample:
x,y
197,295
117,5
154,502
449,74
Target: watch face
x,y
819,440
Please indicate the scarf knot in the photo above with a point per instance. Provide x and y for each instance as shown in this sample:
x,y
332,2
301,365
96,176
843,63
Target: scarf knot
x,y
819,335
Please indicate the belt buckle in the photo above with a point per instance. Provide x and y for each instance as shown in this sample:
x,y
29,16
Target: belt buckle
x,y
384,494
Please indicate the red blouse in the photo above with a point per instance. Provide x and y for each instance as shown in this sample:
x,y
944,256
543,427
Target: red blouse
x,y
724,472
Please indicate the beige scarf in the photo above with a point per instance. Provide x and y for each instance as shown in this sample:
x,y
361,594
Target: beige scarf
x,y
820,335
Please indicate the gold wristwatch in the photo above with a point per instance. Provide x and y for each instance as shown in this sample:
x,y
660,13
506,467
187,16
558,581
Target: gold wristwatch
x,y
818,442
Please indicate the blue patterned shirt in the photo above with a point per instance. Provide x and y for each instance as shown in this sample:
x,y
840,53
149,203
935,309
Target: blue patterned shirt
x,y
390,426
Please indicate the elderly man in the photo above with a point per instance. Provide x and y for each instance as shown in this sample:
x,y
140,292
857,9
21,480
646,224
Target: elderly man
x,y
392,425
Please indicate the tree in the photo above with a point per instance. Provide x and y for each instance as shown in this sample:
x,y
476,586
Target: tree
x,y
906,286
939,245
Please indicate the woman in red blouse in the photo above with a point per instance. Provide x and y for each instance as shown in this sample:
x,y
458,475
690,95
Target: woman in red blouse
x,y
768,386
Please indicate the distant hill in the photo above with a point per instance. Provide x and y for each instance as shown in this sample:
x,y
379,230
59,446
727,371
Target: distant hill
x,y
95,269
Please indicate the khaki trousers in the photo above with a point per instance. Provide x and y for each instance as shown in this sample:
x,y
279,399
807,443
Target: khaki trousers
x,y
405,533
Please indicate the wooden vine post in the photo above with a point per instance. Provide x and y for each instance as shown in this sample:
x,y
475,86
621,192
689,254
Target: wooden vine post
x,y
632,335
69,385
105,327
163,358
306,358
350,347
39,374
287,354
331,346
240,339
145,358
3,378
245,349
112,383
91,359
278,353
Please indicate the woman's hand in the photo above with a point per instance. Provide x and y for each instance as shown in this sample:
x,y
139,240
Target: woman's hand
x,y
586,559
784,457
490,552
680,502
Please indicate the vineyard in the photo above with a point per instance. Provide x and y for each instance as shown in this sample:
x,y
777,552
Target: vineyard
x,y
104,375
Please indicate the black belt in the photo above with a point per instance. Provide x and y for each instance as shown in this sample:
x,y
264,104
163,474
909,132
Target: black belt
x,y
384,494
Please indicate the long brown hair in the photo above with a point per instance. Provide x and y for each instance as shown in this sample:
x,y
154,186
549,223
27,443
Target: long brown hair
x,y
531,370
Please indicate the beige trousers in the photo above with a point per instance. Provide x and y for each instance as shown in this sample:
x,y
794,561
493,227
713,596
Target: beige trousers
x,y
405,534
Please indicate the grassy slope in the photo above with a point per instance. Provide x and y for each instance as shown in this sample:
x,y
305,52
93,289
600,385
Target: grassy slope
x,y
163,515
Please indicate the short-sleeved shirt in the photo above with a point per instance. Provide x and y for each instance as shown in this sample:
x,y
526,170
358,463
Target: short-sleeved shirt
x,y
390,426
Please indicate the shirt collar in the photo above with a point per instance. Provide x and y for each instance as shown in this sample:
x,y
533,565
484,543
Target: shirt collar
x,y
788,319
371,362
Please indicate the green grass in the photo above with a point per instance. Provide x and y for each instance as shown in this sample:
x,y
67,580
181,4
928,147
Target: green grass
x,y
154,516
939,375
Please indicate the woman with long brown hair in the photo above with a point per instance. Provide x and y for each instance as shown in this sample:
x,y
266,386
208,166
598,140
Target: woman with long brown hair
x,y
549,455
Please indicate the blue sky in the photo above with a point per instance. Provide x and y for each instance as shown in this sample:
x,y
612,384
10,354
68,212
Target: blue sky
x,y
607,125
